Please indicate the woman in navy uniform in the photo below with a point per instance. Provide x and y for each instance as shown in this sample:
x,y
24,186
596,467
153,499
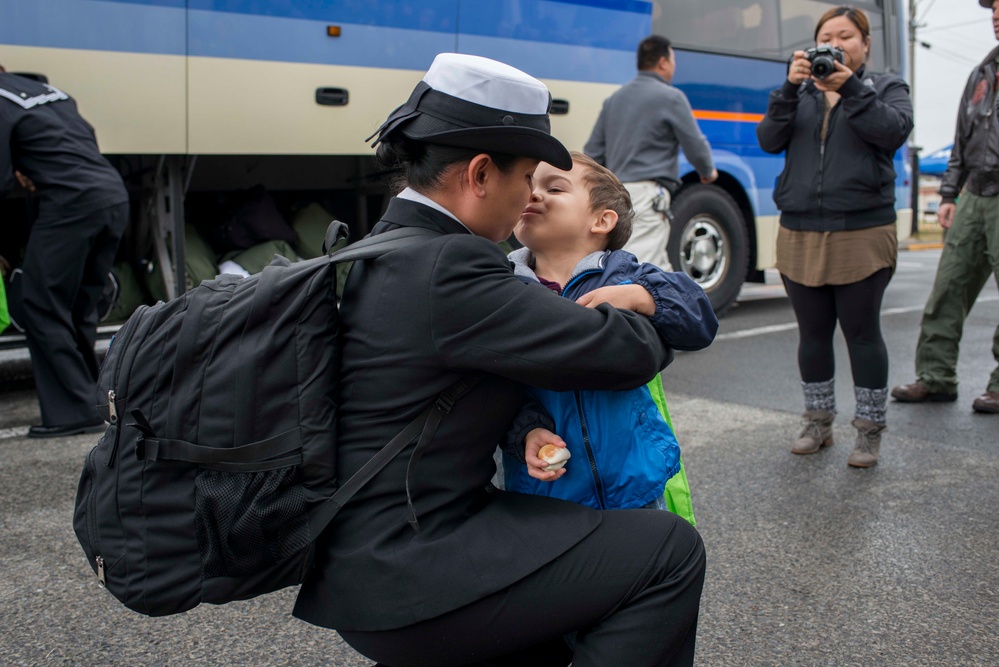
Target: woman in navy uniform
x,y
434,566
82,213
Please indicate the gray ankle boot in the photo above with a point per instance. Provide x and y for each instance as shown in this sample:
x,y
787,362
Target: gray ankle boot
x,y
868,446
816,432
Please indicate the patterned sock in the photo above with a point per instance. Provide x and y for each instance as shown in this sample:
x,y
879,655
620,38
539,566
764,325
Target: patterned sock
x,y
871,403
820,395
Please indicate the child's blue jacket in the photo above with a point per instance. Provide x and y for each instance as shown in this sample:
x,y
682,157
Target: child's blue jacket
x,y
623,451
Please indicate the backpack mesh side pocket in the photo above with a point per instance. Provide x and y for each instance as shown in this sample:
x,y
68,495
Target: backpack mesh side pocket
x,y
248,521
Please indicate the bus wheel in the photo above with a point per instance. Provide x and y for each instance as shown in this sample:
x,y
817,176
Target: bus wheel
x,y
708,242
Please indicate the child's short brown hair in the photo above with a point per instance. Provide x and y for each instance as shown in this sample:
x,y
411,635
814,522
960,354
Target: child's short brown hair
x,y
607,192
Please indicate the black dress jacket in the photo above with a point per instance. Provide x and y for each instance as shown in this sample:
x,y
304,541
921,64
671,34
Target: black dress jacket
x,y
413,322
43,136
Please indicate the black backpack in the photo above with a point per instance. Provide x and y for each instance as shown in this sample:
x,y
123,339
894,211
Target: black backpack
x,y
218,469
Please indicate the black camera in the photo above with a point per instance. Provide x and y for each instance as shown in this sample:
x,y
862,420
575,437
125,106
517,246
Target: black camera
x,y
824,59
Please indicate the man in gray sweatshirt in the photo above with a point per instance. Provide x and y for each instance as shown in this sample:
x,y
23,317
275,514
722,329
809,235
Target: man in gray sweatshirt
x,y
638,136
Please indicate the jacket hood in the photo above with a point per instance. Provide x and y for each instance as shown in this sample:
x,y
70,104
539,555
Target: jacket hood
x,y
523,259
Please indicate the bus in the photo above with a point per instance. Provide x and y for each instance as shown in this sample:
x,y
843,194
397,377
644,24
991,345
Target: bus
x,y
194,100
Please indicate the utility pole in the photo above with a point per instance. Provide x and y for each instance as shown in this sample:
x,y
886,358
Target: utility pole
x,y
913,148
912,61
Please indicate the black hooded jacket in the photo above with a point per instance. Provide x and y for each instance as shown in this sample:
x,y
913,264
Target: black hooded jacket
x,y
847,181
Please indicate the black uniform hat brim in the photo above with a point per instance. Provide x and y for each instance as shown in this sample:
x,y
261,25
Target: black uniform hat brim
x,y
518,141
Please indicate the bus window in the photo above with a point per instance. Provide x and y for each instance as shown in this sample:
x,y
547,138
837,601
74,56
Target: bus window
x,y
746,27
771,29
799,17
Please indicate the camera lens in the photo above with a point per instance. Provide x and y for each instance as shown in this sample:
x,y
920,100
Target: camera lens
x,y
822,66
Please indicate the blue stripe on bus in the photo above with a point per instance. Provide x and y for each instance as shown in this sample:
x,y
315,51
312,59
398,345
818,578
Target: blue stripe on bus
x,y
217,35
158,26
358,11
634,6
554,61
177,4
429,15
548,22
90,24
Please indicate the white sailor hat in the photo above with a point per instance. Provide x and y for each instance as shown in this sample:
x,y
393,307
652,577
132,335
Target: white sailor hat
x,y
478,103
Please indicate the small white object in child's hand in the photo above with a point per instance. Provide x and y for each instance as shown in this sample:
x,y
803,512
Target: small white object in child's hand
x,y
554,456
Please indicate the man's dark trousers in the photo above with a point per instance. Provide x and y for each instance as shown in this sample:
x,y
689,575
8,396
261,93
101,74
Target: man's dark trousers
x,y
66,263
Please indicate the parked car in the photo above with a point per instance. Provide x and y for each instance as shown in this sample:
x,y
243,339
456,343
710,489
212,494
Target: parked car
x,y
935,163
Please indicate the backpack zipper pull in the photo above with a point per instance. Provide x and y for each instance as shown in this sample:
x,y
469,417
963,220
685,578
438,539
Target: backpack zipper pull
x,y
101,581
112,409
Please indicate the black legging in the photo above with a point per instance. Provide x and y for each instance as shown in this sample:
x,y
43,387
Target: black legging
x,y
857,306
630,591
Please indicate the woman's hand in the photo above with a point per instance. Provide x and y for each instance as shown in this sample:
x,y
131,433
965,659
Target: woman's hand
x,y
534,441
800,69
835,80
625,297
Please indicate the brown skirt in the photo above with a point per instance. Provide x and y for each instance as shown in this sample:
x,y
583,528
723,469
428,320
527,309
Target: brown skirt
x,y
814,259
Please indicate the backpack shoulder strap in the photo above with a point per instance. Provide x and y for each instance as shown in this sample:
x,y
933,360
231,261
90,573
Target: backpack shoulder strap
x,y
425,426
373,246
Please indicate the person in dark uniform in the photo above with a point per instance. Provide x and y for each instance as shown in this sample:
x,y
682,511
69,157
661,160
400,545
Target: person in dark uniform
x,y
82,212
429,564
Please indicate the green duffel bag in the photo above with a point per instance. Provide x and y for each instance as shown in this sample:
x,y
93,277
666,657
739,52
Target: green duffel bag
x,y
130,293
256,258
199,261
310,224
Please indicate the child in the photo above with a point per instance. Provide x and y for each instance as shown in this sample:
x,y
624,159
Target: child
x,y
622,445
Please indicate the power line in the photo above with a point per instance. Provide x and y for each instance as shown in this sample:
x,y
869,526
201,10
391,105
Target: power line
x,y
952,25
950,55
932,2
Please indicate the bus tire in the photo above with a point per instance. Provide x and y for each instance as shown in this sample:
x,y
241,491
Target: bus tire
x,y
708,242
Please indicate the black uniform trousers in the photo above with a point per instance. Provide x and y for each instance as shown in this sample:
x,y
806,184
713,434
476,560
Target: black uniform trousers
x,y
65,266
630,591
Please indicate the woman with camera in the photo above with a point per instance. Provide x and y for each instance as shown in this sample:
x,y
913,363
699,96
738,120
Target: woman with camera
x,y
839,126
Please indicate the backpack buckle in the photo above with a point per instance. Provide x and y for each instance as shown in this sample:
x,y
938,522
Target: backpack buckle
x,y
445,402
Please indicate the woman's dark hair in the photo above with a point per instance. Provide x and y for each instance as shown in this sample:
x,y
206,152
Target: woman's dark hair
x,y
856,16
421,166
651,49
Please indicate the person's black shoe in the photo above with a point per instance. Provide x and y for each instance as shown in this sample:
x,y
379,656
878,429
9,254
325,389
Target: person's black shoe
x,y
41,431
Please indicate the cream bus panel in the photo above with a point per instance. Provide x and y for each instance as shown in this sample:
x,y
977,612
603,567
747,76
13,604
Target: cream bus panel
x,y
135,101
766,241
585,102
240,107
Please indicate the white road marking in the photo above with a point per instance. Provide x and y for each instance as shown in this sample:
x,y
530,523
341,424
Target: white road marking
x,y
777,328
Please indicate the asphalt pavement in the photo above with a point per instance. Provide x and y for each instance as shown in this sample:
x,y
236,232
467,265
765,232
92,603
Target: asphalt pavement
x,y
810,562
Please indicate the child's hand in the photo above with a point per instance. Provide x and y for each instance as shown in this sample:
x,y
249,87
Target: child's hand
x,y
534,441
625,297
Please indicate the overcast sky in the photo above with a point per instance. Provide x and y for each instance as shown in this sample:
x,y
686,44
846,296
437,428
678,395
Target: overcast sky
x,y
960,35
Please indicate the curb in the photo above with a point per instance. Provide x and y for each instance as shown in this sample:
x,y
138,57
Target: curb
x,y
923,245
